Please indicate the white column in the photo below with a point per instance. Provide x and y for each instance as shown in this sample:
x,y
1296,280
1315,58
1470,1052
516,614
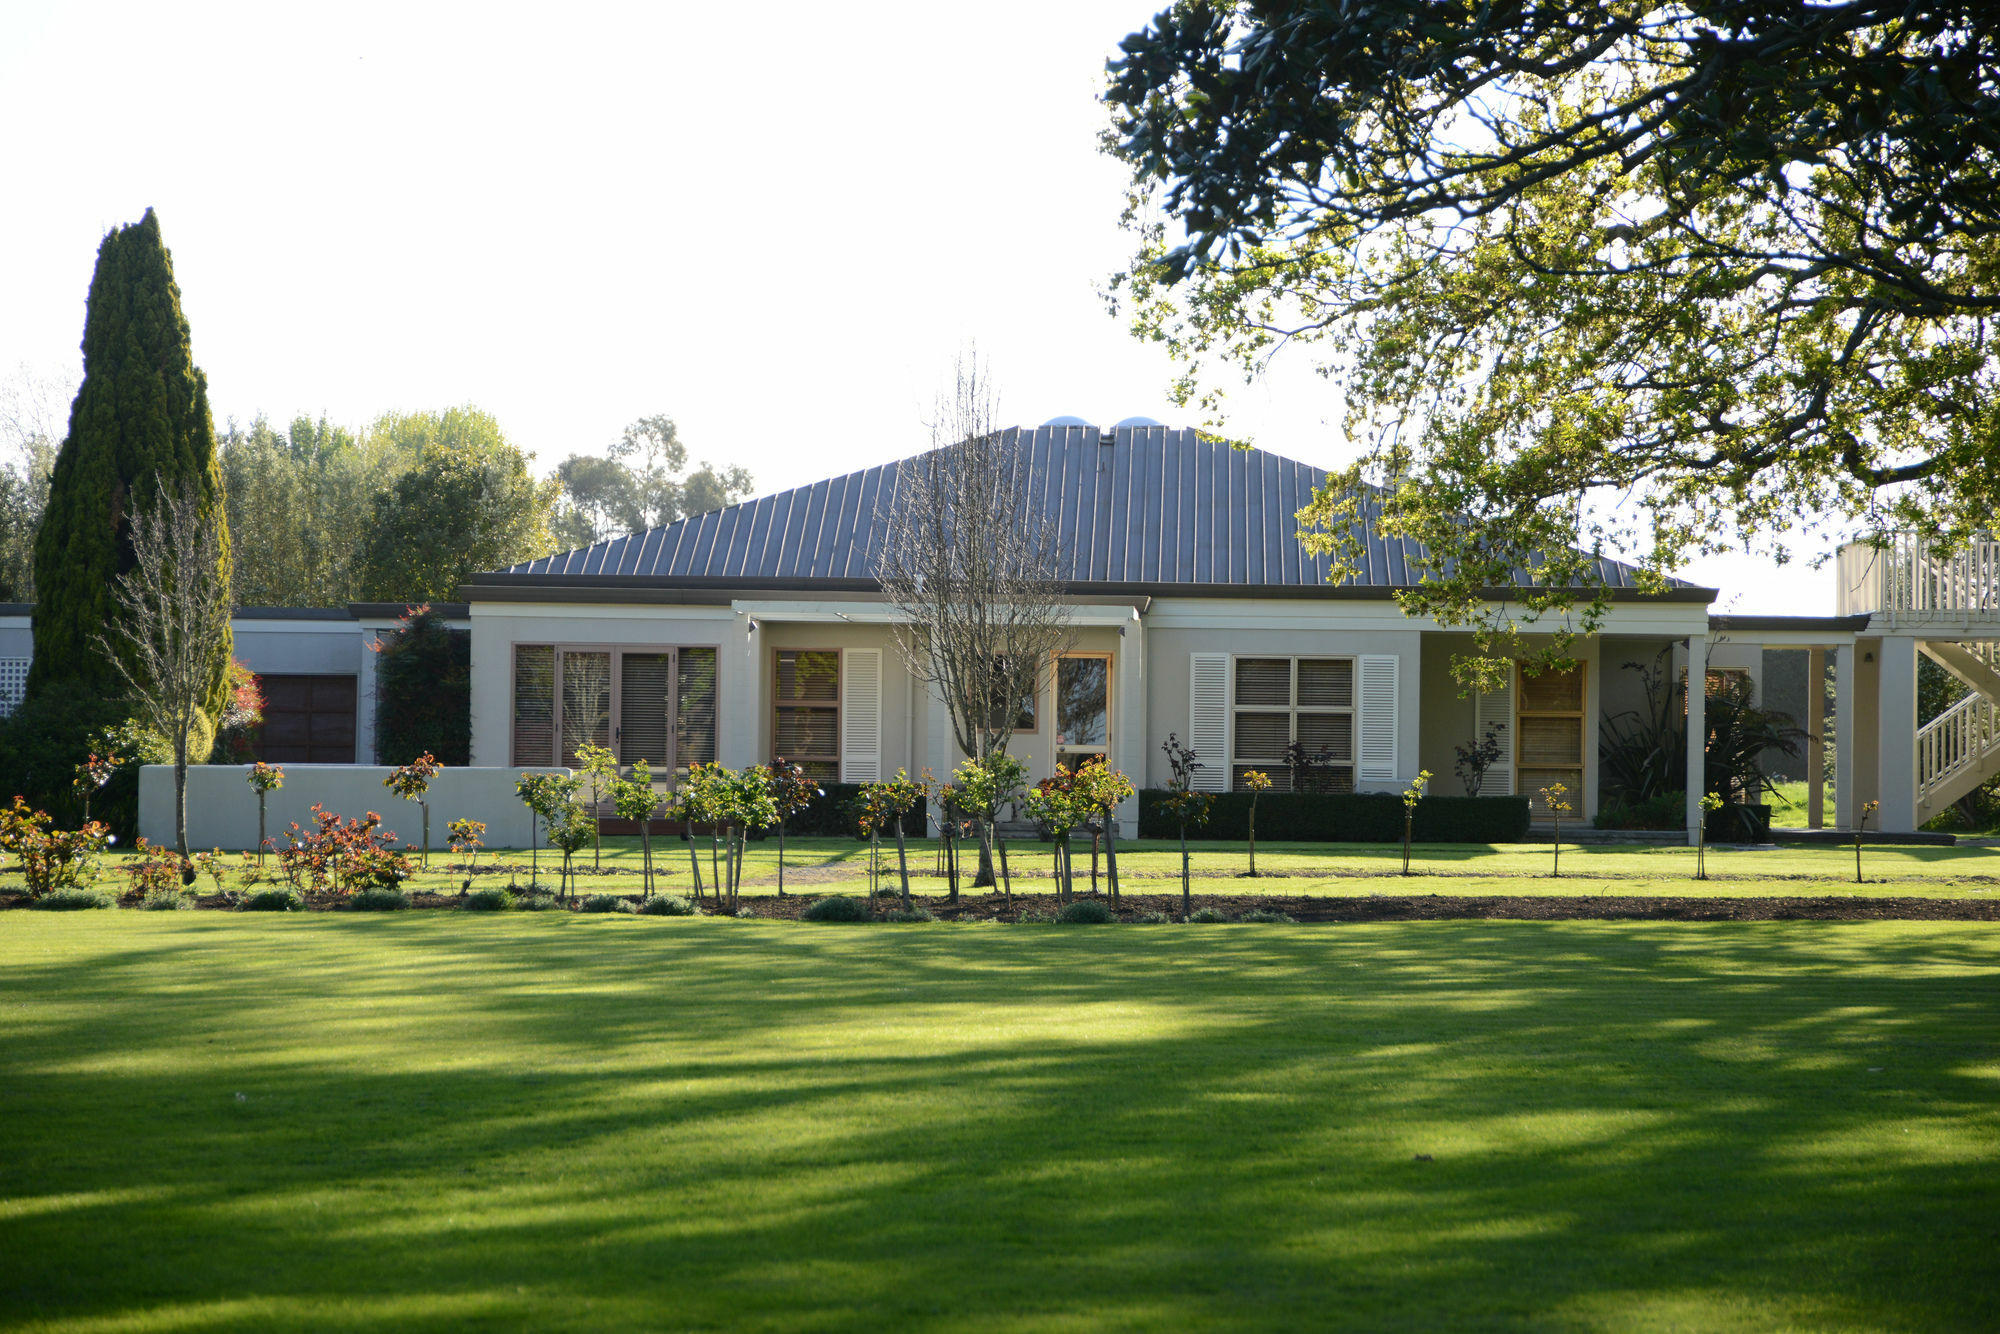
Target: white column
x,y
1816,739
1128,720
364,702
1896,723
1844,784
740,693
1697,733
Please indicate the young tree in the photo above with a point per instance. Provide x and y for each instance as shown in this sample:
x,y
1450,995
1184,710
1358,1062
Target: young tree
x,y
974,571
792,791
1099,789
634,799
1412,794
139,429
1255,782
1185,806
412,782
264,779
1730,264
600,780
170,633
984,786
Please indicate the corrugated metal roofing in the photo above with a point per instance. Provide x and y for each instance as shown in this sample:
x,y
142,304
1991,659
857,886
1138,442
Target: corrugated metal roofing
x,y
1137,505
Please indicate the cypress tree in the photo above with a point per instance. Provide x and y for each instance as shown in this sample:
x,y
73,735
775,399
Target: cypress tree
x,y
140,421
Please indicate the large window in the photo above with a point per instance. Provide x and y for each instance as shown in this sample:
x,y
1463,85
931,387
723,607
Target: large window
x,y
1283,702
1083,707
651,704
806,731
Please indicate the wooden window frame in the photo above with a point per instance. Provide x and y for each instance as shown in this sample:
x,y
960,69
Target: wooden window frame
x,y
1058,748
1292,710
777,705
617,693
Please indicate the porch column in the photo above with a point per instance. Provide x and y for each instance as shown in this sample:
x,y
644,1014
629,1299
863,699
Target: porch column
x,y
1896,724
740,694
1697,733
1816,742
1844,777
1128,719
364,703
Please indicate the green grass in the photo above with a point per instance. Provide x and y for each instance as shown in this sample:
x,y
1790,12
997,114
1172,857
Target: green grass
x,y
427,1122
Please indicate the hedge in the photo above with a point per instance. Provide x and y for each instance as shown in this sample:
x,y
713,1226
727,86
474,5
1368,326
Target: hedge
x,y
1346,817
834,814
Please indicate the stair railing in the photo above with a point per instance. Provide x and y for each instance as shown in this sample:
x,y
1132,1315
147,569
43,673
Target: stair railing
x,y
1953,741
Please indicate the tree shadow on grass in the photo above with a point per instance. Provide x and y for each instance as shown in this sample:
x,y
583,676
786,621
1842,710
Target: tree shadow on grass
x,y
603,1124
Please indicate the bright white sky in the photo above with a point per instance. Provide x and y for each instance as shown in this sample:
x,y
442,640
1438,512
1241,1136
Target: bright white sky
x,y
778,231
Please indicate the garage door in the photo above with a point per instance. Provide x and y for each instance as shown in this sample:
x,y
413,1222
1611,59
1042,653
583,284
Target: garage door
x,y
307,720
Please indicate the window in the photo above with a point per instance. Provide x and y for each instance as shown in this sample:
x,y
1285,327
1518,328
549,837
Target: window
x,y
806,688
651,704
1083,707
1023,709
1282,701
1548,738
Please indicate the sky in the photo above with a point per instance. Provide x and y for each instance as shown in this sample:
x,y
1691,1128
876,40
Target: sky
x,y
779,232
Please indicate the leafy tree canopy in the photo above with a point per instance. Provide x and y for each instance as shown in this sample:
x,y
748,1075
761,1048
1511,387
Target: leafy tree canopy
x,y
640,485
466,506
1618,278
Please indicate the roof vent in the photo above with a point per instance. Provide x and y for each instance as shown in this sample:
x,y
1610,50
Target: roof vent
x,y
1130,422
1065,421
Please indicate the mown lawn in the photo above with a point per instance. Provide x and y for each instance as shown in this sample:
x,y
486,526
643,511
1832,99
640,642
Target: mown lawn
x,y
448,1121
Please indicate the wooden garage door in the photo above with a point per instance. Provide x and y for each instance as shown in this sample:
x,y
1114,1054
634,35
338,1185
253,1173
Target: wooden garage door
x,y
307,720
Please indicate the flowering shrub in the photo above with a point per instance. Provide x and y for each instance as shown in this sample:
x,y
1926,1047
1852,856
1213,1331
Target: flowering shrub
x,y
51,859
93,774
241,716
341,855
264,779
467,838
158,869
412,782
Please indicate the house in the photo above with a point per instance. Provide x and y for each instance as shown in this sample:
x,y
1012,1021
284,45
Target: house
x,y
759,630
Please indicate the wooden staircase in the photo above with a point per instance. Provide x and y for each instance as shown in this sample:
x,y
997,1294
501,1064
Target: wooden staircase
x,y
1960,748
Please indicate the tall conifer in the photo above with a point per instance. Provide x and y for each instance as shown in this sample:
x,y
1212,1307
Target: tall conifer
x,y
140,421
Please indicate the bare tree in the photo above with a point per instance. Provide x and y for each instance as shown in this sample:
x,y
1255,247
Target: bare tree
x,y
975,571
171,637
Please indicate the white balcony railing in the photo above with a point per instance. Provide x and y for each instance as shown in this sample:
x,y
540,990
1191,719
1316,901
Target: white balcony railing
x,y
1903,579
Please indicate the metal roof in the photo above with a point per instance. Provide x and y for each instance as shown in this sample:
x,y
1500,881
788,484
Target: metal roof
x,y
1148,506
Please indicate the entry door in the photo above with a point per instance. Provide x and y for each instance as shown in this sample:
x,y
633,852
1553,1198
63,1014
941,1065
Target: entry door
x,y
1549,739
1083,708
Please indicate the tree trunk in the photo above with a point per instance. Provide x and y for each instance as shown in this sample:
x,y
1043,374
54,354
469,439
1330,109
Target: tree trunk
x,y
694,860
984,877
903,862
181,795
1095,836
951,861
425,860
645,859
260,829
534,842
1111,859
781,859
1187,895
1068,866
1007,878
1253,835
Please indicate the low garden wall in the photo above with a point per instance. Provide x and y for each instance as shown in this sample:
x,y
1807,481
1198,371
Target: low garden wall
x,y
222,810
1346,817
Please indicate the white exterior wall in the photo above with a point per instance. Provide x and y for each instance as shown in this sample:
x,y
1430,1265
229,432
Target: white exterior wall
x,y
222,810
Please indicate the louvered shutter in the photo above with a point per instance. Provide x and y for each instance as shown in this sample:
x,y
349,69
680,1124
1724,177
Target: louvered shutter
x,y
645,687
1208,719
1497,706
534,705
1378,673
861,717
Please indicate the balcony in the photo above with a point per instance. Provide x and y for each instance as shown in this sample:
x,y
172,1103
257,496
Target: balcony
x,y
1902,583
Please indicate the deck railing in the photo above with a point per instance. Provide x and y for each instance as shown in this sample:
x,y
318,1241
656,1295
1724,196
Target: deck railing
x,y
1902,578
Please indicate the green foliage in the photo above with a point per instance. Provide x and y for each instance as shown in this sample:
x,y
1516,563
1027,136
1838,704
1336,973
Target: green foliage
x,y
536,902
881,806
1731,264
488,900
917,914
1269,915
140,423
50,858
985,785
1668,810
379,900
836,811
423,691
1345,817
468,504
1208,915
1086,912
838,908
166,900
611,903
668,905
44,740
1149,919
73,900
299,504
639,486
282,898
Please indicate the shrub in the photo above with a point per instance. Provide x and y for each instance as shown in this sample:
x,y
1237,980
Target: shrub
x,y
166,900
1208,915
606,903
423,691
839,908
283,899
489,900
1267,915
1034,917
1347,817
73,900
1149,919
912,915
668,905
536,902
380,900
836,812
50,859
1667,810
1086,912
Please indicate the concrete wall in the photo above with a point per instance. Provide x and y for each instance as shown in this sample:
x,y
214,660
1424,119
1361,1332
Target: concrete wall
x,y
300,647
222,810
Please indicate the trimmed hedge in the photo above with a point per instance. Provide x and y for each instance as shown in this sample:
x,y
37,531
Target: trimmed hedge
x,y
1346,817
834,814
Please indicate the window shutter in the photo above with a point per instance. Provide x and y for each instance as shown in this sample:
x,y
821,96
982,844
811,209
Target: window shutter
x,y
1378,717
1208,719
645,689
534,705
861,717
1497,706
